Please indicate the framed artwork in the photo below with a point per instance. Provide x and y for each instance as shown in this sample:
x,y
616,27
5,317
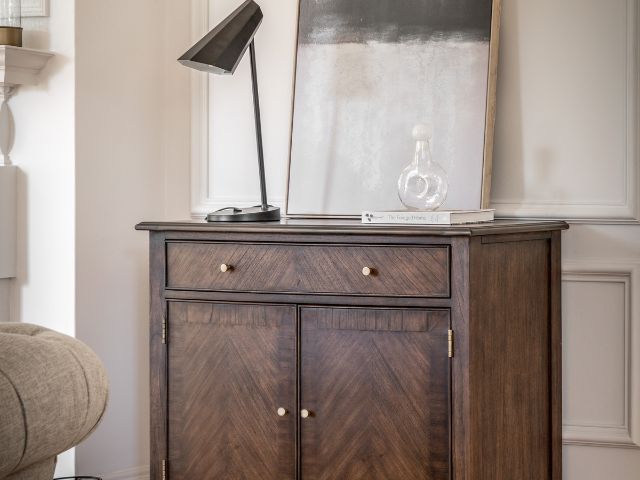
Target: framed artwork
x,y
367,72
35,8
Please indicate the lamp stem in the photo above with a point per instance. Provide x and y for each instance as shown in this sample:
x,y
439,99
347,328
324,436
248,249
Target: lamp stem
x,y
256,108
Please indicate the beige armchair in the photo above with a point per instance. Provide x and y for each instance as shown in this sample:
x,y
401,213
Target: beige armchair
x,y
53,393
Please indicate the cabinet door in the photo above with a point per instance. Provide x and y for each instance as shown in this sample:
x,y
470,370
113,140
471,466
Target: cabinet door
x,y
230,368
376,385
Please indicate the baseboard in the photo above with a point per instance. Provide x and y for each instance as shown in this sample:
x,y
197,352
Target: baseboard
x,y
136,473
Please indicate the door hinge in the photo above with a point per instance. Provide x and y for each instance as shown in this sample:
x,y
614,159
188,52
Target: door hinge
x,y
164,470
164,331
450,343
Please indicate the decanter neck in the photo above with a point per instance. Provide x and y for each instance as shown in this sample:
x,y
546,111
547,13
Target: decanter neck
x,y
423,153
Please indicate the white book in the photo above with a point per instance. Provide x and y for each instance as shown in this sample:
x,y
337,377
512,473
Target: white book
x,y
448,217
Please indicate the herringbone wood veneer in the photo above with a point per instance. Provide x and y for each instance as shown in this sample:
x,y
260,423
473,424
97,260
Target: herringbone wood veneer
x,y
376,382
400,271
230,368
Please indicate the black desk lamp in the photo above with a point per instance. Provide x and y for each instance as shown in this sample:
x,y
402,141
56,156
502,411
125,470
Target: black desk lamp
x,y
220,52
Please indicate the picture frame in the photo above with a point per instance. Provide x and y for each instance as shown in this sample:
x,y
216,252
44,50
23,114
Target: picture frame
x,y
337,196
35,8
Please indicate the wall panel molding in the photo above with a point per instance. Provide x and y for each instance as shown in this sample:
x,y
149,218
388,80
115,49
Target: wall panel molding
x,y
35,8
613,212
203,197
601,434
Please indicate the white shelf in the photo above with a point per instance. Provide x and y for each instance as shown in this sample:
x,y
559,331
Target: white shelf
x,y
21,66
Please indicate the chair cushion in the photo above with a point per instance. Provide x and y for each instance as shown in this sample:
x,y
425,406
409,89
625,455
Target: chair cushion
x,y
53,392
39,471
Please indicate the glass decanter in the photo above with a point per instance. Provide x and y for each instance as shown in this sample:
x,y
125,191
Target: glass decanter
x,y
423,185
10,23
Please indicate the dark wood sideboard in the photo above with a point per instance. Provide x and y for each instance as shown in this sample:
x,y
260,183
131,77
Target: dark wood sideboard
x,y
331,350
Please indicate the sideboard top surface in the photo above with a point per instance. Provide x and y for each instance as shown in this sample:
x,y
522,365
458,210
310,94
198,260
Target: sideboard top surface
x,y
355,227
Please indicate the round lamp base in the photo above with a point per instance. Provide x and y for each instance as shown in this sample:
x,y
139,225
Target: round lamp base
x,y
251,214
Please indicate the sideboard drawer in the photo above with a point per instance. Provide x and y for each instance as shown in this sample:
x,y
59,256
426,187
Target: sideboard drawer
x,y
321,269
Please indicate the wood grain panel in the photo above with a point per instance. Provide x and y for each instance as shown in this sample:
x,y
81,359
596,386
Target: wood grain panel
x,y
231,367
375,372
555,345
158,356
342,231
377,384
398,271
461,445
513,412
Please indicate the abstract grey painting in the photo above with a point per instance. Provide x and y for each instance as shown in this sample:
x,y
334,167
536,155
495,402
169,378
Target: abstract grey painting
x,y
368,71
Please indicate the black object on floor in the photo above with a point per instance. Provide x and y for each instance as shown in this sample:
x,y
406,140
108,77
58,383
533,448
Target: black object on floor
x,y
77,478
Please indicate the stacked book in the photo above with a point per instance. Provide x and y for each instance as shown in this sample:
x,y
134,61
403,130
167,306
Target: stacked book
x,y
408,217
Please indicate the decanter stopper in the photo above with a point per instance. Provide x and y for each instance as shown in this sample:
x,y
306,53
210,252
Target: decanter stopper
x,y
423,184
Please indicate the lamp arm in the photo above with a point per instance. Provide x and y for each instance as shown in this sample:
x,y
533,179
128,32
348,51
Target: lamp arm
x,y
256,108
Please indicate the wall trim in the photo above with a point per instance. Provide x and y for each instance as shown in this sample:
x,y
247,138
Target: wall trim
x,y
203,199
35,8
626,435
135,473
626,212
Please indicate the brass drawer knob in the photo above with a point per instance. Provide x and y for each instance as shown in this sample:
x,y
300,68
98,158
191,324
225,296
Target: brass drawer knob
x,y
225,268
282,412
305,413
368,271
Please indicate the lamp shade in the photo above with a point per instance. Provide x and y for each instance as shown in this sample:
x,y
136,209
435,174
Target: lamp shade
x,y
221,50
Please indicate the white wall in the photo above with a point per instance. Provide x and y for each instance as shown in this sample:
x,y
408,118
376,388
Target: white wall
x,y
567,147
176,118
44,151
93,143
5,298
44,290
130,121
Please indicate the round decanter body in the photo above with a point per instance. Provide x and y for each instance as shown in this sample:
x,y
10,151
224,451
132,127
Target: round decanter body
x,y
423,184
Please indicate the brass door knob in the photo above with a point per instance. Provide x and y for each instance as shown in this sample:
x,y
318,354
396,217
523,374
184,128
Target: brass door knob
x,y
282,412
305,413
367,271
225,268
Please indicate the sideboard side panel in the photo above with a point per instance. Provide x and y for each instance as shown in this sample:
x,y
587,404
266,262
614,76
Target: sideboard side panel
x,y
510,359
461,406
556,356
158,353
